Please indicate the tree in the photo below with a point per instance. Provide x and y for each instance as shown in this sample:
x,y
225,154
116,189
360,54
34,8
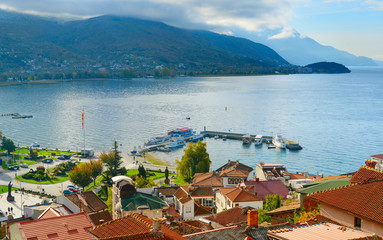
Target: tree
x,y
112,161
1,135
8,145
141,171
81,175
195,160
272,202
96,170
141,182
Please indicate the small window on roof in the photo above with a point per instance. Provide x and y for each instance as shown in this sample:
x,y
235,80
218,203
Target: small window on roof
x,y
73,231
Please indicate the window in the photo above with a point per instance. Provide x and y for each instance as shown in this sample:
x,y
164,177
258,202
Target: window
x,y
188,209
358,222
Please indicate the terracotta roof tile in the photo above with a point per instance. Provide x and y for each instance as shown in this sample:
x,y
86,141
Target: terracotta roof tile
x,y
210,179
74,226
199,209
366,173
100,217
363,200
237,164
234,172
380,156
167,191
240,195
133,226
233,216
87,201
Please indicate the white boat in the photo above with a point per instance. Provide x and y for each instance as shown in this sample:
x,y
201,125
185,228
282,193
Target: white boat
x,y
279,142
176,143
258,140
216,137
246,139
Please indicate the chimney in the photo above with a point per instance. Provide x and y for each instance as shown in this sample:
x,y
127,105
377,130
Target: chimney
x,y
257,179
156,225
252,218
370,163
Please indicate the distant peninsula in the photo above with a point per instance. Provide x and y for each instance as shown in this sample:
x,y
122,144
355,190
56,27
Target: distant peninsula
x,y
327,67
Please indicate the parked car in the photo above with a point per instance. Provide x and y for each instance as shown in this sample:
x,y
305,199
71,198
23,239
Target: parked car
x,y
67,156
13,168
61,158
67,191
73,189
48,160
72,186
24,165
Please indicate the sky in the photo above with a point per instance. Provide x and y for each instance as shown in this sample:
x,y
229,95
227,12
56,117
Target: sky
x,y
355,26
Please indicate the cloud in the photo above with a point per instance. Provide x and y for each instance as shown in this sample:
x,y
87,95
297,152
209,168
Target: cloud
x,y
221,15
287,32
375,4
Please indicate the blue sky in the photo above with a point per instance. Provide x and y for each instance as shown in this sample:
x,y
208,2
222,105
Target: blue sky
x,y
351,25
354,26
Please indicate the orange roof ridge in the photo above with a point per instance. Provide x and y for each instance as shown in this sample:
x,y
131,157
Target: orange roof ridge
x,y
372,169
335,188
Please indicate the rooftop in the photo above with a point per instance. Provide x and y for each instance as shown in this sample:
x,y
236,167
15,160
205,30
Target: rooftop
x,y
74,226
234,172
237,164
227,233
133,226
210,179
240,195
380,156
291,207
233,216
363,200
366,173
324,185
138,199
265,188
325,231
87,201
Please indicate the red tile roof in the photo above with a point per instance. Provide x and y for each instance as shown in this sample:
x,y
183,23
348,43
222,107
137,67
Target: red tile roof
x,y
210,179
380,156
182,195
200,210
133,226
234,172
231,216
100,217
364,174
74,226
237,164
363,200
173,212
240,195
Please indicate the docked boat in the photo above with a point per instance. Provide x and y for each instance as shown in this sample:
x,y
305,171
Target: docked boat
x,y
164,149
196,138
258,140
246,139
157,140
279,142
224,137
176,143
216,137
292,145
181,132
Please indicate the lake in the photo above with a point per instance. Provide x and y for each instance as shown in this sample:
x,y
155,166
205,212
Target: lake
x,y
338,119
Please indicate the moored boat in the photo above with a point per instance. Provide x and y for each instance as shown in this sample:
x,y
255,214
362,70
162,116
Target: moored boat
x,y
246,139
293,145
279,142
196,138
157,140
181,132
176,143
258,140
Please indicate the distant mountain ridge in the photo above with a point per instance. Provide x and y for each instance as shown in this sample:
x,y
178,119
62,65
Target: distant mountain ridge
x,y
32,43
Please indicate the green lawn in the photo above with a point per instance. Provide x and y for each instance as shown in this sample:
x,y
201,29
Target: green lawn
x,y
55,180
98,183
157,175
179,181
4,189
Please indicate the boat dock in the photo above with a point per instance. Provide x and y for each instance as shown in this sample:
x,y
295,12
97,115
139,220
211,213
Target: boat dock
x,y
230,135
15,115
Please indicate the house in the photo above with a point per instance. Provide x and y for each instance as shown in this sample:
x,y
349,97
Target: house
x,y
376,161
127,200
233,176
236,164
166,193
272,171
227,198
283,213
191,201
356,205
134,226
266,187
233,216
74,226
365,174
328,231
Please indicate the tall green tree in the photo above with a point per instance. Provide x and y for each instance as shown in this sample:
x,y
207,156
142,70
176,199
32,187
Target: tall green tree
x,y
81,175
8,145
112,162
96,169
195,160
141,171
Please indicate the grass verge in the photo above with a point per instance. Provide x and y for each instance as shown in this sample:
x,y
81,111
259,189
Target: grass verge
x,y
155,160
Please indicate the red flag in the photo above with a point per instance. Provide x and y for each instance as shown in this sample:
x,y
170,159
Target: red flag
x,y
82,117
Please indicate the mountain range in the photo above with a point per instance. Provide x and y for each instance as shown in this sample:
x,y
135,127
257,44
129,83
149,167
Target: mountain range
x,y
33,43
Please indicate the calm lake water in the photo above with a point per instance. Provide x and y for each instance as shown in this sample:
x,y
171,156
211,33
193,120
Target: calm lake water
x,y
338,119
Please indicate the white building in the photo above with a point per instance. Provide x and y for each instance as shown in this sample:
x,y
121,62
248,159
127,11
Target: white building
x,y
227,198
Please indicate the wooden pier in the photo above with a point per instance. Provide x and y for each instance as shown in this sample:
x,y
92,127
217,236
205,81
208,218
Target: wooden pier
x,y
15,115
230,135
